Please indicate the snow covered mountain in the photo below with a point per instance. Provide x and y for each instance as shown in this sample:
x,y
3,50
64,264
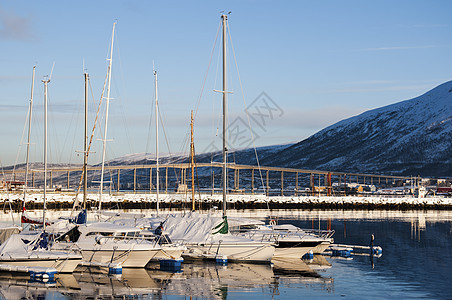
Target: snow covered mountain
x,y
412,137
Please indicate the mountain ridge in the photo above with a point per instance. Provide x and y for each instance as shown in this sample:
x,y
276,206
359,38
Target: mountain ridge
x,y
411,137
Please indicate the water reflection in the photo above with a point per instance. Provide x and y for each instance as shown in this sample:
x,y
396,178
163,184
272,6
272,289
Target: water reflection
x,y
205,280
416,262
16,286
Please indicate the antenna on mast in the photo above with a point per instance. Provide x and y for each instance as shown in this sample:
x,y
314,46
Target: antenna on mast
x,y
85,70
51,71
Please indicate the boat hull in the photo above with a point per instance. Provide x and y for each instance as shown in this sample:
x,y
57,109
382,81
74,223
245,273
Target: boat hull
x,y
294,249
129,255
169,253
244,252
63,265
128,259
322,247
295,252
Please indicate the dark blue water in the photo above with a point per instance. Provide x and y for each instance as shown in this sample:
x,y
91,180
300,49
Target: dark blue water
x,y
416,264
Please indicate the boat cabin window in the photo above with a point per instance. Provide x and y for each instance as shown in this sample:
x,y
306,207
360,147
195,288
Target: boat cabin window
x,y
245,228
99,233
132,234
124,235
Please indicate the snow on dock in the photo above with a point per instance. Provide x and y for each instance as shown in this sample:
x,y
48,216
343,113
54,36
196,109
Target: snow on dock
x,y
245,200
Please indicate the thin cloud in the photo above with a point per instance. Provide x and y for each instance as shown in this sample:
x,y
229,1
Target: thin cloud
x,y
373,82
12,107
395,48
15,27
373,90
6,78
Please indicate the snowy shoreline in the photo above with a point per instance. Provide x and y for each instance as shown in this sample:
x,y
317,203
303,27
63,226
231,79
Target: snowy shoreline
x,y
131,200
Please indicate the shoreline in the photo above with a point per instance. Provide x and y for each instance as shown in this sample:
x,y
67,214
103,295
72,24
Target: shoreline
x,y
65,200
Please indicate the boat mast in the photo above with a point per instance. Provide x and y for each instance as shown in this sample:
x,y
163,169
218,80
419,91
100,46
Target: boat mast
x,y
46,82
157,140
192,155
107,103
225,155
29,134
85,148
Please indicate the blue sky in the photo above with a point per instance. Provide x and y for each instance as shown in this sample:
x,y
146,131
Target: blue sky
x,y
313,62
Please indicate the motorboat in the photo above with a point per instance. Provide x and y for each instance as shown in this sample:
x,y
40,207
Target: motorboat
x,y
290,241
151,229
105,242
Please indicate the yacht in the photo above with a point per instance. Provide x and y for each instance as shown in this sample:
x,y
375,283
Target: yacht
x,y
290,241
105,242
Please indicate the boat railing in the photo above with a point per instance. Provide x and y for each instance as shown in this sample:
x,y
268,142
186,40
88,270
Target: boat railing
x,y
270,233
321,233
125,239
273,236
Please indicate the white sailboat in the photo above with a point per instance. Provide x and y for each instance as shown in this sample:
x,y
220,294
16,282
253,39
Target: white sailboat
x,y
169,250
288,242
24,218
293,243
206,236
30,248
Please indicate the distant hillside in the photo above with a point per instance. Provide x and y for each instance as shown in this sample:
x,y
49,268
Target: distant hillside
x,y
412,137
244,156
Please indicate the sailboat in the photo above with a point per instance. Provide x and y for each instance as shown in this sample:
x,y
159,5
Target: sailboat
x,y
288,242
169,249
25,219
31,248
205,235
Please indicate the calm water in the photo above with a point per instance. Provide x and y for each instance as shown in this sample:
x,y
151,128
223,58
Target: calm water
x,y
416,263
